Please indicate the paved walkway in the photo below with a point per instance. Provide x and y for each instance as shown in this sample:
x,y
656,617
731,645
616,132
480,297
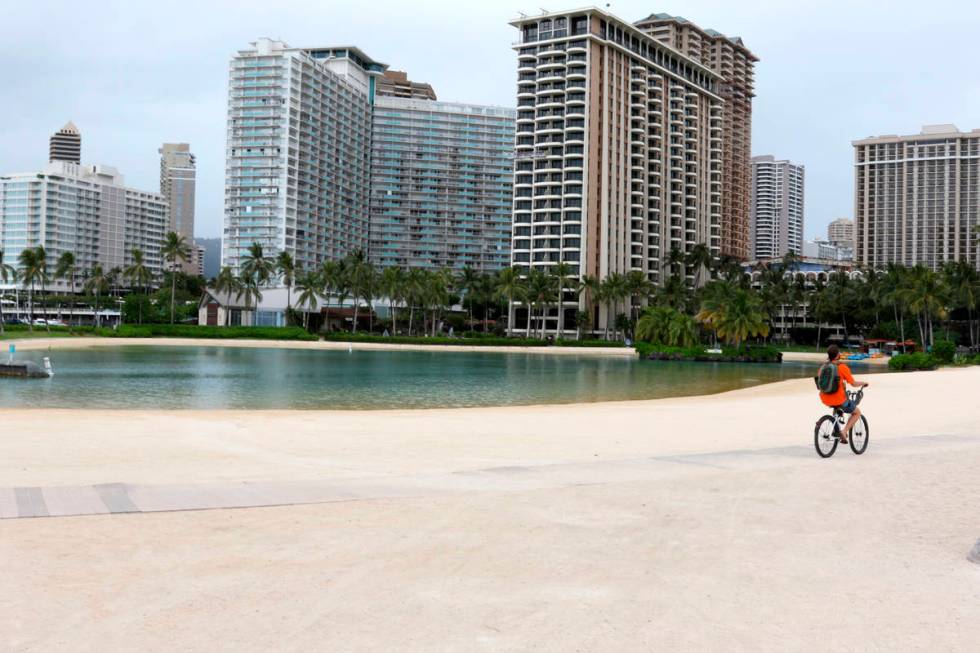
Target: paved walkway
x,y
121,498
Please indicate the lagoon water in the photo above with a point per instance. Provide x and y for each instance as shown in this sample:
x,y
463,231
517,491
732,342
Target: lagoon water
x,y
139,377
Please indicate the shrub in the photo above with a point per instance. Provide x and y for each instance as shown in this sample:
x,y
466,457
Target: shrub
x,y
944,351
197,331
911,362
743,354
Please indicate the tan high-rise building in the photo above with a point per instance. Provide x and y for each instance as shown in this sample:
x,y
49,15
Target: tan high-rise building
x,y
735,63
917,198
841,232
178,179
395,83
66,144
618,154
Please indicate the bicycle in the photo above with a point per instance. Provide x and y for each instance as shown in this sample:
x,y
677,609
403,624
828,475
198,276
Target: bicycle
x,y
828,431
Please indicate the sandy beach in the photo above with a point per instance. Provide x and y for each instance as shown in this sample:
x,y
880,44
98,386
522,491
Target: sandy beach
x,y
702,523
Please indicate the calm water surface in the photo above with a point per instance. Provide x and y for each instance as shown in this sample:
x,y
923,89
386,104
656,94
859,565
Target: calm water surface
x,y
216,377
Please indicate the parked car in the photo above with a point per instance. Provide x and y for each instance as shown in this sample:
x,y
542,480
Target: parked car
x,y
13,320
56,323
40,322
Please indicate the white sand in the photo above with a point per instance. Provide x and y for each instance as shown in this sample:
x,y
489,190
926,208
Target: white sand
x,y
776,550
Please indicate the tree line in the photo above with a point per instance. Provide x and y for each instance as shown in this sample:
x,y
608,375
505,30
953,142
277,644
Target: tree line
x,y
34,271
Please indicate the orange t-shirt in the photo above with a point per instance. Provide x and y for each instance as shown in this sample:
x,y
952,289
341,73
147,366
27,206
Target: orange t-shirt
x,y
839,397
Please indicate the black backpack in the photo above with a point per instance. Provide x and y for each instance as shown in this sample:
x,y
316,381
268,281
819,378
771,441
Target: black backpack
x,y
827,379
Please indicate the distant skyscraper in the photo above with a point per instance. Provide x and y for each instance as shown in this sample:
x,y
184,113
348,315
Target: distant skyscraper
x,y
177,184
735,63
618,155
298,152
776,217
397,84
441,184
66,144
86,210
841,232
917,198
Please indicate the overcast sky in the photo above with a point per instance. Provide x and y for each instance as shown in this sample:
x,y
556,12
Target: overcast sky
x,y
132,75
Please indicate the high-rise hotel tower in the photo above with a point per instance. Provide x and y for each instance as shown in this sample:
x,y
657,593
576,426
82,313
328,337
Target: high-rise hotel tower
x,y
298,151
735,63
619,152
777,208
917,198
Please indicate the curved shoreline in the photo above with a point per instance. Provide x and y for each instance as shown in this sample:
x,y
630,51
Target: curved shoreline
x,y
37,344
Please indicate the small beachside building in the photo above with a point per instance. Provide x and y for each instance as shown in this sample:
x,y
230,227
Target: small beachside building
x,y
227,309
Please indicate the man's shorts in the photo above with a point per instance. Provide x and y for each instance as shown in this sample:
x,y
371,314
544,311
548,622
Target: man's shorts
x,y
847,407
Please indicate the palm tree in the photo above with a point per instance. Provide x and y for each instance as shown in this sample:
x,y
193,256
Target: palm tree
x,y
562,271
511,288
415,287
589,286
175,248
541,292
250,289
963,283
466,282
97,283
66,269
733,313
360,277
639,287
392,285
926,296
139,276
7,275
699,259
286,269
226,282
308,286
613,290
486,291
33,270
667,326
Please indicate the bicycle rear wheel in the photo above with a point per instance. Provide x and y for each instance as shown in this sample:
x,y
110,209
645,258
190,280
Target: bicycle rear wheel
x,y
824,437
860,434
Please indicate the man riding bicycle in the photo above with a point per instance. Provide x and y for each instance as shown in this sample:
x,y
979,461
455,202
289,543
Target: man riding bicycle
x,y
839,398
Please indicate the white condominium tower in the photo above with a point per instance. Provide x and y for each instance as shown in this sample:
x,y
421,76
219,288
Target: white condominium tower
x,y
917,198
776,217
619,152
298,151
441,182
82,209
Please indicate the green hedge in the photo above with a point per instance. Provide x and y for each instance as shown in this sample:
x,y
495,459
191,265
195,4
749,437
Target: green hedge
x,y
438,340
209,332
910,362
743,354
590,343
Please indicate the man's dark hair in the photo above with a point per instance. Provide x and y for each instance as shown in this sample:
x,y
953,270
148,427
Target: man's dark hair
x,y
833,352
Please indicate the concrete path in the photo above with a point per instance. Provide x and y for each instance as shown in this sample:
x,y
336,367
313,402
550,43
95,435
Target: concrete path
x,y
122,498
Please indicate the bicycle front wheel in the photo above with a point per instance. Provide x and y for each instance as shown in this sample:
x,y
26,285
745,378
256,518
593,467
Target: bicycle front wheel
x,y
824,437
860,434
